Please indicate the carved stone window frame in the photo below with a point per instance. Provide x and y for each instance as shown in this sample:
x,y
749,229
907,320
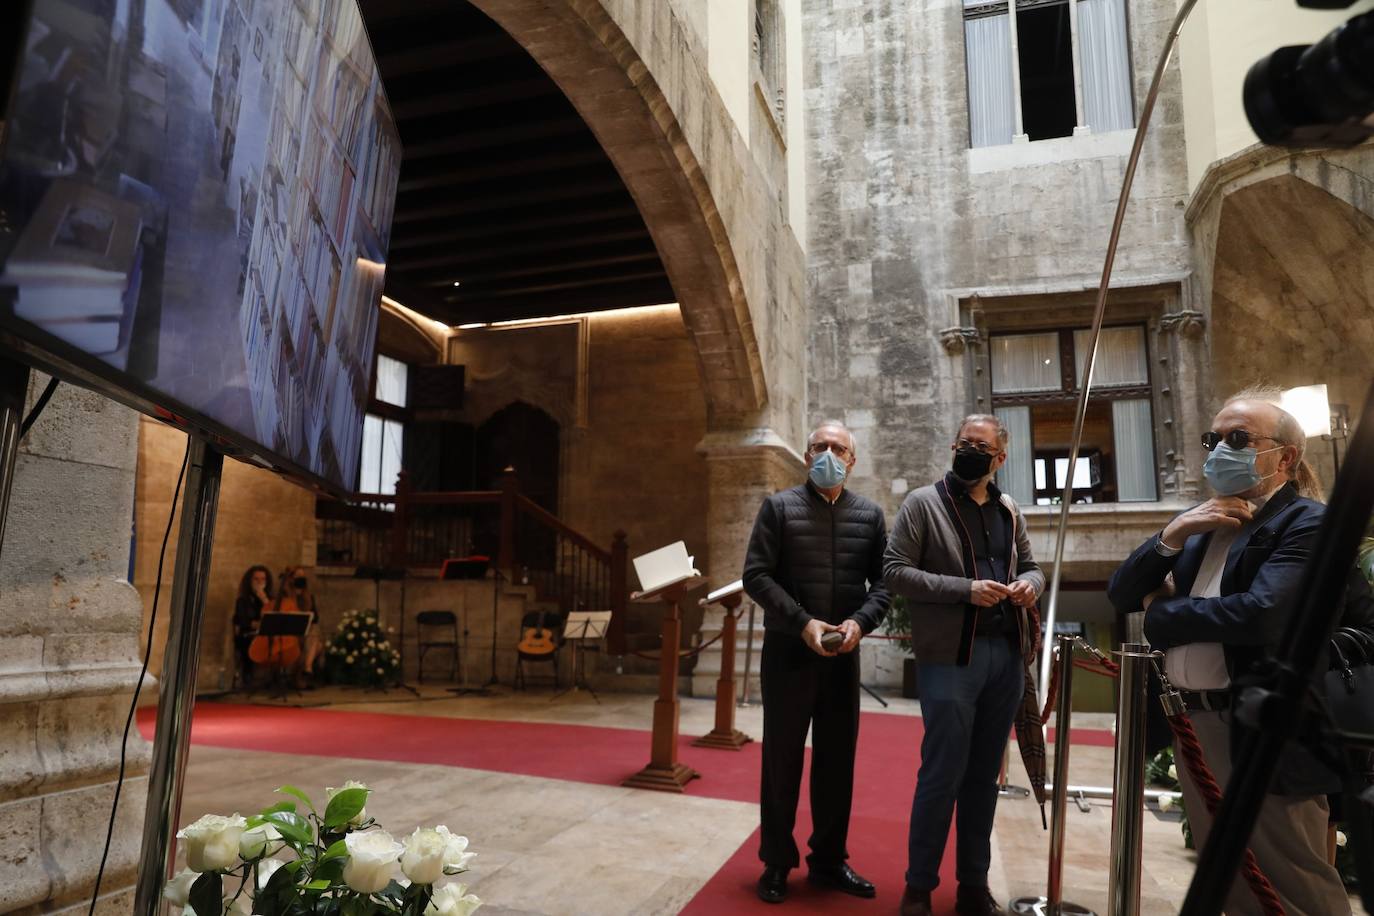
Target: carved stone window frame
x,y
768,61
1173,343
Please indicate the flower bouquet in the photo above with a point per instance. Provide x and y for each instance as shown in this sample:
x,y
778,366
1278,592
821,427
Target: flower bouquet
x,y
360,652
342,864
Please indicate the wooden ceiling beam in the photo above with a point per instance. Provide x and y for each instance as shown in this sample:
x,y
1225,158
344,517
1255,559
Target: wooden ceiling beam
x,y
520,227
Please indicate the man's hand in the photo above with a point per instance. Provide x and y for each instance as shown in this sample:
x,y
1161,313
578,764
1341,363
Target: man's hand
x,y
1217,512
987,592
852,634
812,633
1165,590
1021,593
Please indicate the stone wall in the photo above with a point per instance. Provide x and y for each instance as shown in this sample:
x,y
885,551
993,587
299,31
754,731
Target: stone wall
x,y
908,225
69,660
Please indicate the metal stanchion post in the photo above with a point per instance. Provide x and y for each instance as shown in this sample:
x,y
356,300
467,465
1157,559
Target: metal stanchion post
x,y
748,658
1128,787
1052,904
176,695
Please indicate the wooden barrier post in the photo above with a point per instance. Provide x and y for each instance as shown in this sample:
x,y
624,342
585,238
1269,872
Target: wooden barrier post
x,y
664,772
725,736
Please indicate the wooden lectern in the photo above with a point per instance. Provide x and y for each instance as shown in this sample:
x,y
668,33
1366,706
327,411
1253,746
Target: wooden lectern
x,y
725,735
664,772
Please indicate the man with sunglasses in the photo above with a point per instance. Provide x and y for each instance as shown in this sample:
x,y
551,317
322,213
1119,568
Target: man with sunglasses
x,y
1236,562
815,566
960,556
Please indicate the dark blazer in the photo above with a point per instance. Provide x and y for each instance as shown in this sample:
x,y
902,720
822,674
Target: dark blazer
x,y
810,559
1259,592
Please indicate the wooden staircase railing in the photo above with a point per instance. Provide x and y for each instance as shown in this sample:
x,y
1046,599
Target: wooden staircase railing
x,y
533,546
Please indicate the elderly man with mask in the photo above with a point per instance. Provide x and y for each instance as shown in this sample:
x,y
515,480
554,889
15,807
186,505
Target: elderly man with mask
x,y
1236,562
814,565
959,554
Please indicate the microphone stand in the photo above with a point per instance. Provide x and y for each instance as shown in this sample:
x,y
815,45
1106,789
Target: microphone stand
x,y
496,578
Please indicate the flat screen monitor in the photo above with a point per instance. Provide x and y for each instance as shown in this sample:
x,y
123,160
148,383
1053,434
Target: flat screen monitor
x,y
195,205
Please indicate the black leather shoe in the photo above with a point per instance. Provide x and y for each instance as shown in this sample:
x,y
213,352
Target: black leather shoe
x,y
772,886
842,878
915,903
976,901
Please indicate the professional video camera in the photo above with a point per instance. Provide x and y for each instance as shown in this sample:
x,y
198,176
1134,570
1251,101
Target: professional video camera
x,y
1316,95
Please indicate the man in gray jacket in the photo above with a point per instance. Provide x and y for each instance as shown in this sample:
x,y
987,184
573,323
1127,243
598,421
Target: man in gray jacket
x,y
960,556
815,567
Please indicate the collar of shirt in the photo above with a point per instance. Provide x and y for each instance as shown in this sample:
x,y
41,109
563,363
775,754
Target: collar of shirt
x,y
817,490
959,490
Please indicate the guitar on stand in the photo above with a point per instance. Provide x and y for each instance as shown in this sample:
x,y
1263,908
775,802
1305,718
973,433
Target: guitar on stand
x,y
537,641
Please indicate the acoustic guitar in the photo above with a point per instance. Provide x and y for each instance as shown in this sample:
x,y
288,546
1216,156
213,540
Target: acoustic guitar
x,y
537,640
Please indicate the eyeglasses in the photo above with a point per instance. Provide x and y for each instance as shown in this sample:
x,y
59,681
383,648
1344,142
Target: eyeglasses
x,y
980,446
1236,438
842,452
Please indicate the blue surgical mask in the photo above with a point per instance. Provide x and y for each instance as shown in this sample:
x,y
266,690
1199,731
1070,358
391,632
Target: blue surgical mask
x,y
827,471
1232,470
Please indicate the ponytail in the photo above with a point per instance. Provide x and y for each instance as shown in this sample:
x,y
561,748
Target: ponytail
x,y
1309,485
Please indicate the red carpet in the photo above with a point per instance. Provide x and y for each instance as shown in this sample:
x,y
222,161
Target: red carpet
x,y
885,777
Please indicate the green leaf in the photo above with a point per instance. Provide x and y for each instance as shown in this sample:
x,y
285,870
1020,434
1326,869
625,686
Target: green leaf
x,y
344,806
276,896
207,893
319,884
331,870
280,806
293,828
292,790
336,850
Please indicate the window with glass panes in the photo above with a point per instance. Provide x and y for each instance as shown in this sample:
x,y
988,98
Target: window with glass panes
x,y
1035,383
384,428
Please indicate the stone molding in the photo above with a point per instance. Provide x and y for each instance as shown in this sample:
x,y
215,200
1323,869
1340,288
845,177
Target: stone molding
x,y
1186,323
747,443
956,340
1220,174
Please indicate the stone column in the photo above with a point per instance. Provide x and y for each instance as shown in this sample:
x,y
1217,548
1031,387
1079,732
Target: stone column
x,y
69,658
743,466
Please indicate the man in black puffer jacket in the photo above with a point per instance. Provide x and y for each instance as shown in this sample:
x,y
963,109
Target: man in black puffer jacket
x,y
815,566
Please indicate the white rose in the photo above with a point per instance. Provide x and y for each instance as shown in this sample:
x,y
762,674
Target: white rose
x,y
423,861
1340,838
452,900
372,643
264,840
350,637
349,660
381,671
371,861
212,843
456,856
350,784
178,890
1173,772
1166,802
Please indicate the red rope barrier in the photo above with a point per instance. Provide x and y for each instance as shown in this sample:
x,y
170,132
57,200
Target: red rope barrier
x,y
1196,762
682,653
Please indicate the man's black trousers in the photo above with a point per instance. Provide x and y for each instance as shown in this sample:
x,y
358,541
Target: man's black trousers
x,y
802,689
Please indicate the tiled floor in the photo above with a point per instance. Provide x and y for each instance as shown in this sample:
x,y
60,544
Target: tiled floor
x,y
548,846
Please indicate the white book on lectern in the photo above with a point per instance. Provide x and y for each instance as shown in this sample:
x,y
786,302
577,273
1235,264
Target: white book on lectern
x,y
725,591
663,567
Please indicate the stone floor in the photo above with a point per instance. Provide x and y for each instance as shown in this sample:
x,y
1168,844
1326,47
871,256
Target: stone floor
x,y
554,847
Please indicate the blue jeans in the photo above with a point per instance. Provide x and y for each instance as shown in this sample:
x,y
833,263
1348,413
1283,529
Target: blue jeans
x,y
968,713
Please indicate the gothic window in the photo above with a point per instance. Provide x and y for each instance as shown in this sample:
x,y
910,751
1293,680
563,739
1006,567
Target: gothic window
x,y
384,427
1022,72
770,55
1035,380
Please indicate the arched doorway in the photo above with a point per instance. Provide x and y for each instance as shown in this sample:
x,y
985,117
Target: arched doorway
x,y
526,438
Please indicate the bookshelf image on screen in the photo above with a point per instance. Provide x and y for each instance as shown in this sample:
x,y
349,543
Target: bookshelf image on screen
x,y
199,194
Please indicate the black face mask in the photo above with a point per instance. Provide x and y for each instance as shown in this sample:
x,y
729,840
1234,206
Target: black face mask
x,y
299,583
971,465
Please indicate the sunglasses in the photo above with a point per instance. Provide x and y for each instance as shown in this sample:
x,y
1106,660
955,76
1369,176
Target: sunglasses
x,y
1236,438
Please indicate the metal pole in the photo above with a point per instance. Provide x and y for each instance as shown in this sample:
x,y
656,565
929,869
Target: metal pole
x,y
176,696
1052,903
14,387
1085,385
1128,784
748,657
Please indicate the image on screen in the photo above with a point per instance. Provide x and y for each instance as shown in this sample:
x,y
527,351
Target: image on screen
x,y
197,198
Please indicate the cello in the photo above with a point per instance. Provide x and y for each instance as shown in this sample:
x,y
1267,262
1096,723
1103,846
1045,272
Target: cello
x,y
277,651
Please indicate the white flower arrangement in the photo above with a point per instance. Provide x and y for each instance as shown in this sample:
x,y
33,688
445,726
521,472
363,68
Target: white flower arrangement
x,y
342,863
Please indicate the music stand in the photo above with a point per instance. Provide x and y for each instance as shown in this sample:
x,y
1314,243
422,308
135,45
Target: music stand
x,y
471,567
583,627
390,574
277,625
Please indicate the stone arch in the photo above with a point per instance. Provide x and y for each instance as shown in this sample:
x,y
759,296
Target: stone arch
x,y
584,50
